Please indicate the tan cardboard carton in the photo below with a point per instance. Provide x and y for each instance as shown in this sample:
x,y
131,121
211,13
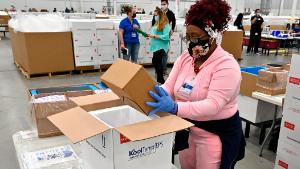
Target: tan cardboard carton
x,y
43,52
40,111
130,81
232,42
248,84
272,81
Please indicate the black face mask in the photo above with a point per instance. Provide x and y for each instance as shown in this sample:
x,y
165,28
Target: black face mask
x,y
134,15
202,43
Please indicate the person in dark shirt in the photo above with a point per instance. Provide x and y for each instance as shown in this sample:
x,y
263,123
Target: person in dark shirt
x,y
255,32
172,20
296,30
239,22
67,10
54,10
170,14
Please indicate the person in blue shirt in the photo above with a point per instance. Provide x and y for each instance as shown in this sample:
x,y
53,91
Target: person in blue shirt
x,y
128,35
160,42
296,30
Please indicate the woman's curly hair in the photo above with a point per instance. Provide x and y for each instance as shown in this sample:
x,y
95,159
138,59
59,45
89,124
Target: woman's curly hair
x,y
214,13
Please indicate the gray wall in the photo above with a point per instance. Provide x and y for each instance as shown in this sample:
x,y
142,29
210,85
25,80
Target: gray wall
x,y
148,5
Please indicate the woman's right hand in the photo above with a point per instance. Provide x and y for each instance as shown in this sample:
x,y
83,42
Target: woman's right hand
x,y
122,46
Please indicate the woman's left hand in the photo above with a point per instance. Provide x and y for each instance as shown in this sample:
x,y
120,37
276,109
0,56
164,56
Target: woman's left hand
x,y
135,26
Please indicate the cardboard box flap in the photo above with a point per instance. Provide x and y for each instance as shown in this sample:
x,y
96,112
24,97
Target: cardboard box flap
x,y
77,124
119,74
153,128
92,99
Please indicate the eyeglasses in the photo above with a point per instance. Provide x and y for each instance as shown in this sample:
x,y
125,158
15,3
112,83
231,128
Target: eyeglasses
x,y
188,38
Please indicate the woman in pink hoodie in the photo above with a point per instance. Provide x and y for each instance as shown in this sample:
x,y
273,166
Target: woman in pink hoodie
x,y
203,87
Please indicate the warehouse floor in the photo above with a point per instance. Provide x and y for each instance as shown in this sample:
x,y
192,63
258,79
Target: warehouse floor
x,y
15,117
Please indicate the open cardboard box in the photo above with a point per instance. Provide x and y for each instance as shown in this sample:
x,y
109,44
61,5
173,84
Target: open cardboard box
x,y
121,137
88,100
41,110
131,82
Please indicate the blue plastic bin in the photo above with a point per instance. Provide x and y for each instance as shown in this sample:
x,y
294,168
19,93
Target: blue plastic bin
x,y
102,85
86,86
252,69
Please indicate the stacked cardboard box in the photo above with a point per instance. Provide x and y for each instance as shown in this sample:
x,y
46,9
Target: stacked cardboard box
x,y
272,81
288,152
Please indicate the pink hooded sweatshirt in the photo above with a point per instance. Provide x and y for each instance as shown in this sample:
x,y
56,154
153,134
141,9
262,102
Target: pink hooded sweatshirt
x,y
213,97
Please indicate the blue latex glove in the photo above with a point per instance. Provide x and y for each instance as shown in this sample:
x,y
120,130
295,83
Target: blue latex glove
x,y
164,102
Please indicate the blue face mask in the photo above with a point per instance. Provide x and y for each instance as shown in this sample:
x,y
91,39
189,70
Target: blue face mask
x,y
156,18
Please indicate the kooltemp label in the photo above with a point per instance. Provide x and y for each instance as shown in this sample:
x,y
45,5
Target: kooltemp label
x,y
144,151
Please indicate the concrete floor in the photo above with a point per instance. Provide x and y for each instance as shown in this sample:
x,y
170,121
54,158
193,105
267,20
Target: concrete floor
x,y
14,104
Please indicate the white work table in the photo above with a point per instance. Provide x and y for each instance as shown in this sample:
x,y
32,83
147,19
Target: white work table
x,y
27,141
267,36
277,100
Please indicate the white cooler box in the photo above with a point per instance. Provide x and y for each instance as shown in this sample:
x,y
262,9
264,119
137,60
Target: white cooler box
x,y
288,154
121,137
111,150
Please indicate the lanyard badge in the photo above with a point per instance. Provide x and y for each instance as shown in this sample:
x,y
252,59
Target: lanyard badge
x,y
134,34
187,88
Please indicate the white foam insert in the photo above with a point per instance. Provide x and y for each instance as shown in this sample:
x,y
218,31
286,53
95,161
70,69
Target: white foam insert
x,y
119,116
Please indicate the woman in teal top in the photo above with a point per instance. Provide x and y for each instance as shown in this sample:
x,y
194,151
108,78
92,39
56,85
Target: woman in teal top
x,y
160,39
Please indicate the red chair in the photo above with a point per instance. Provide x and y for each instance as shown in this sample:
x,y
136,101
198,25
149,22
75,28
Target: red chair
x,y
246,41
271,44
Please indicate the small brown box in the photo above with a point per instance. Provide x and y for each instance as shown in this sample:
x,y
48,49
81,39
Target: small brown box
x,y
40,111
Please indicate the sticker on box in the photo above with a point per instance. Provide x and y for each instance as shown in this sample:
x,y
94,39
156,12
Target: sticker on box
x,y
48,157
294,80
29,134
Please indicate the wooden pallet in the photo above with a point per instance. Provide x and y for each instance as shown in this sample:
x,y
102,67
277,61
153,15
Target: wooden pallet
x,y
104,67
86,69
91,69
49,74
